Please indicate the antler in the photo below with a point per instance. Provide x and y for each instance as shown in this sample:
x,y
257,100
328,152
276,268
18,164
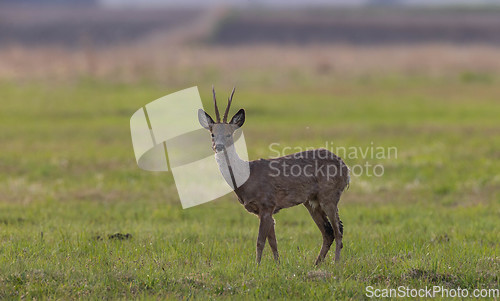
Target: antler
x,y
215,104
229,100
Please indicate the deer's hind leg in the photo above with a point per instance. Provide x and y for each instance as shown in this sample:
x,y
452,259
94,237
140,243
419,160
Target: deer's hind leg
x,y
321,220
329,205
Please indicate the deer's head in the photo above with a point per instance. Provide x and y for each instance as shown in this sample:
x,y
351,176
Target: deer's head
x,y
221,131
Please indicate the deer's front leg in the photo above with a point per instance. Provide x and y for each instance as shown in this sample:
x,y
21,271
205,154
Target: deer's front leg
x,y
271,238
266,222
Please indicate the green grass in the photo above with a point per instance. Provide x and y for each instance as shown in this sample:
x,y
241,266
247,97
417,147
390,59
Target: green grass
x,y
68,179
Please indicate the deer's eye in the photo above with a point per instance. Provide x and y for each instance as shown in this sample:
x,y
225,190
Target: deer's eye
x,y
228,136
212,135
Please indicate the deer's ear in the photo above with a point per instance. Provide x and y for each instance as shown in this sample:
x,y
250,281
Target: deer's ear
x,y
205,120
238,118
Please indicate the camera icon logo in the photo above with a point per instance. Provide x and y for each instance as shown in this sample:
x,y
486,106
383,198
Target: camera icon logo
x,y
166,136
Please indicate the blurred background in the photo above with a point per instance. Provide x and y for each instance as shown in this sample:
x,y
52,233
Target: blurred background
x,y
193,42
422,76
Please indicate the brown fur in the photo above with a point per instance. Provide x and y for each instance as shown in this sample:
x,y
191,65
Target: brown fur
x,y
265,194
268,189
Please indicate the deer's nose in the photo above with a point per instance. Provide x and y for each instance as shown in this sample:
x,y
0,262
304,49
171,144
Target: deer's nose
x,y
219,147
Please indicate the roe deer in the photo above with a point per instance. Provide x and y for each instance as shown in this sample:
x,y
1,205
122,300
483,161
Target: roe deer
x,y
275,184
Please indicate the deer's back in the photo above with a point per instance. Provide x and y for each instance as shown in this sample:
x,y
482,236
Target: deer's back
x,y
293,179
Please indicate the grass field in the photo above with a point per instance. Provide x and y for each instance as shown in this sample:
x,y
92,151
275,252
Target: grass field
x,y
68,180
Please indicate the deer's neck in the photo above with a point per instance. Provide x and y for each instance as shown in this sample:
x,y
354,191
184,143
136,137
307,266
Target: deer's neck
x,y
234,170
